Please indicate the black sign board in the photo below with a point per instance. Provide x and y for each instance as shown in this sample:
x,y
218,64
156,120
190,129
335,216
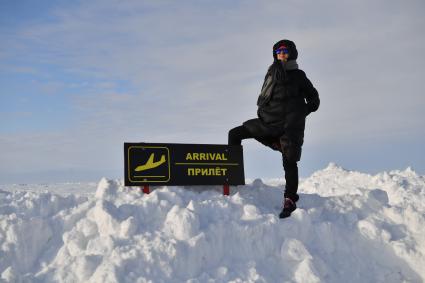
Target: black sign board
x,y
183,164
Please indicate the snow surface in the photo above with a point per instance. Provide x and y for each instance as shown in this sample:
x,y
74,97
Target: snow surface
x,y
350,227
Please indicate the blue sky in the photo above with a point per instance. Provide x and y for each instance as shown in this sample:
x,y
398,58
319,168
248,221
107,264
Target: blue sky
x,y
77,79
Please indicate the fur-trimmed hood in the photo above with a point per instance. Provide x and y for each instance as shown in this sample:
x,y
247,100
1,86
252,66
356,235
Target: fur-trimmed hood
x,y
290,45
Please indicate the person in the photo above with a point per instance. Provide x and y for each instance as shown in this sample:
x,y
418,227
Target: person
x,y
287,97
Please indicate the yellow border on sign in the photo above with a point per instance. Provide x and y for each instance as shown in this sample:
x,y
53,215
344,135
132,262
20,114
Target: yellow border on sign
x,y
143,146
148,176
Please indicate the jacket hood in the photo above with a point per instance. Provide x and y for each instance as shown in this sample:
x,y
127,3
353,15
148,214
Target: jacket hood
x,y
293,53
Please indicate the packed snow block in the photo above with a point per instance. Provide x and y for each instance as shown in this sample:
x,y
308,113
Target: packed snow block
x,y
106,189
183,164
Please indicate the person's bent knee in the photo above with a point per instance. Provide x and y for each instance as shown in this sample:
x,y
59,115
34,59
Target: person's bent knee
x,y
233,137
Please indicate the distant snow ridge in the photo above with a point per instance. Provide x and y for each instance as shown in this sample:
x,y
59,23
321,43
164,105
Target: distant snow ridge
x,y
350,227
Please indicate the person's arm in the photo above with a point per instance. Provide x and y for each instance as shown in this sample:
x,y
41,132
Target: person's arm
x,y
310,94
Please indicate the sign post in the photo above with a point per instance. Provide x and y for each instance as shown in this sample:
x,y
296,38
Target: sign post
x,y
183,164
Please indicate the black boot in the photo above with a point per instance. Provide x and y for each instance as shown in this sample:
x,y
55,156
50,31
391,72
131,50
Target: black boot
x,y
288,206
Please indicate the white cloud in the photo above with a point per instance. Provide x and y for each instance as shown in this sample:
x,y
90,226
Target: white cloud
x,y
195,69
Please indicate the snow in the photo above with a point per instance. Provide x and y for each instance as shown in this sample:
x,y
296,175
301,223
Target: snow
x,y
349,227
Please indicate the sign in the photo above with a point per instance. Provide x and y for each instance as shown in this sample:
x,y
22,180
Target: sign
x,y
183,164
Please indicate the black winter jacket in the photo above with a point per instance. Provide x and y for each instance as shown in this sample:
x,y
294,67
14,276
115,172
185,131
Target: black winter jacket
x,y
296,96
281,115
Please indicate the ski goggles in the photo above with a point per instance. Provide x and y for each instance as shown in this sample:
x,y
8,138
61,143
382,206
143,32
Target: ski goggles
x,y
281,50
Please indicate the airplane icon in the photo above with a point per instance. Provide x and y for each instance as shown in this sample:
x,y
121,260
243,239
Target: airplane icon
x,y
150,163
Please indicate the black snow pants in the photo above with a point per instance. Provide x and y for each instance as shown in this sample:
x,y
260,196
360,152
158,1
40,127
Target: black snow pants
x,y
236,135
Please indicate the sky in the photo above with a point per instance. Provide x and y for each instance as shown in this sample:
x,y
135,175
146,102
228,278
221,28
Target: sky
x,y
80,78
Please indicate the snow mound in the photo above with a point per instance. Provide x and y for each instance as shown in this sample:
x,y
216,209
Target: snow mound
x,y
349,226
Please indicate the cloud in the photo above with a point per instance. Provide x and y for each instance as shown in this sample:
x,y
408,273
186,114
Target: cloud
x,y
190,71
